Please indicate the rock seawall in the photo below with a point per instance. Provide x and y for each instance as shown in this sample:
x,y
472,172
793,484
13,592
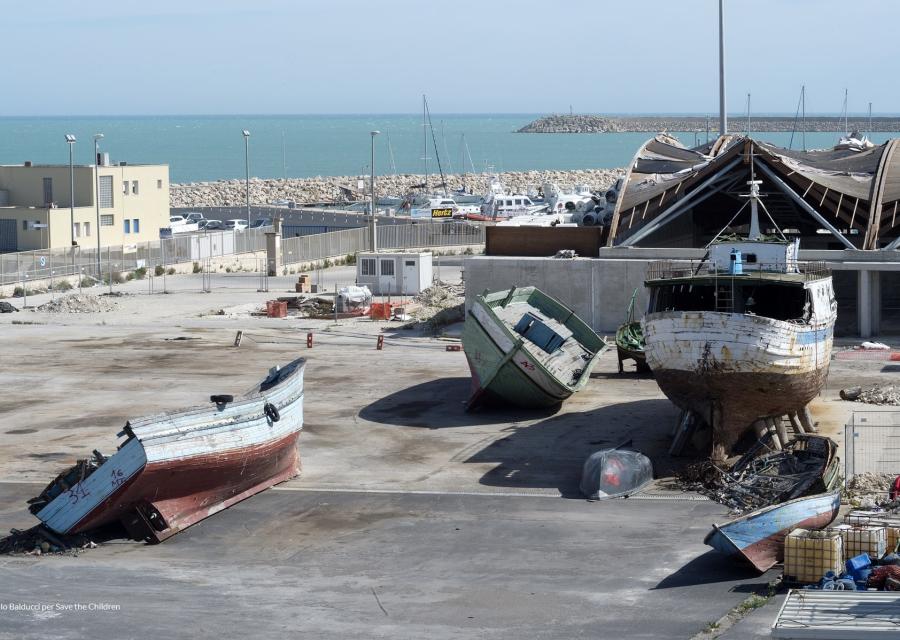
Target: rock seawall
x,y
230,193
655,124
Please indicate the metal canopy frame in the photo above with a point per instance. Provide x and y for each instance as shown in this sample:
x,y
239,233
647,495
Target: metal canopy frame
x,y
803,204
679,207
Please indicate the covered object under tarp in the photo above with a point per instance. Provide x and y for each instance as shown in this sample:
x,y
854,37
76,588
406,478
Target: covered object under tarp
x,y
848,198
612,473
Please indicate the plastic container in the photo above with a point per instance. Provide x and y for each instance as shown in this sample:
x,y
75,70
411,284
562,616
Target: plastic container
x,y
869,539
276,309
809,555
380,311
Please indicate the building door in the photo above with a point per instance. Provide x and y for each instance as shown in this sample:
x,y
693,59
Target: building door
x,y
386,276
410,283
48,190
8,238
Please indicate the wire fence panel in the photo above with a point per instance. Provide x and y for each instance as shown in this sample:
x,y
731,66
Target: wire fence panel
x,y
872,443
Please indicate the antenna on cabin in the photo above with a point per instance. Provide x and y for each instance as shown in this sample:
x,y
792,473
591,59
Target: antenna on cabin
x,y
723,117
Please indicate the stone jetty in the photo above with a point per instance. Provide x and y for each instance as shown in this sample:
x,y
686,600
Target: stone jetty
x,y
227,193
653,124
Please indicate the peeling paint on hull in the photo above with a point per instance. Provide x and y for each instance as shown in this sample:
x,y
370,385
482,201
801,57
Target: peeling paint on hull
x,y
733,369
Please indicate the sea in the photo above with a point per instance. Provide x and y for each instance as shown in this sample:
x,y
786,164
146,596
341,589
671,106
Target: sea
x,y
204,148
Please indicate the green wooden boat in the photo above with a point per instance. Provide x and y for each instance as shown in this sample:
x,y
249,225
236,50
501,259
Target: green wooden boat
x,y
527,349
630,340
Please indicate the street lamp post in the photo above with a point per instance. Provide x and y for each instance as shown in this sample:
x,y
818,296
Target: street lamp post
x,y
97,138
247,164
372,185
70,140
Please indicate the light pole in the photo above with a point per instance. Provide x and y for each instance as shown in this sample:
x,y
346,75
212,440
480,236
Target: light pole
x,y
247,163
70,140
723,116
97,138
372,185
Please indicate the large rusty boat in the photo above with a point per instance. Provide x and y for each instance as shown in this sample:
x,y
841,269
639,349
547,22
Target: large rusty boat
x,y
744,335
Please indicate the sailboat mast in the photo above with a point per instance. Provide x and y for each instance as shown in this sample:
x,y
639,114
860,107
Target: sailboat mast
x,y
803,116
425,142
391,153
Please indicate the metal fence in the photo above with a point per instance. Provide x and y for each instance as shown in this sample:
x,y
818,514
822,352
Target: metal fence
x,y
872,443
407,236
42,264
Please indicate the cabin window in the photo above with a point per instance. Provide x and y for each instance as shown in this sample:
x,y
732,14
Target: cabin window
x,y
410,263
519,201
367,266
387,267
750,258
778,301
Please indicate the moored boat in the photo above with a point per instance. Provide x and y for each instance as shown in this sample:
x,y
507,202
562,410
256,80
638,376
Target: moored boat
x,y
174,469
527,348
758,537
744,335
630,340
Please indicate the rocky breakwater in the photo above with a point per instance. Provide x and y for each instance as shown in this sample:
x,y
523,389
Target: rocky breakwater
x,y
231,193
655,124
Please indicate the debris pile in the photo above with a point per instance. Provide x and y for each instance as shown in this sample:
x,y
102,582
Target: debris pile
x,y
868,490
439,305
39,541
6,307
764,477
79,303
877,394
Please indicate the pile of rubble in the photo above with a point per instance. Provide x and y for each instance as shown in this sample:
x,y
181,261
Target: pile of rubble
x,y
39,541
439,305
882,395
79,303
868,490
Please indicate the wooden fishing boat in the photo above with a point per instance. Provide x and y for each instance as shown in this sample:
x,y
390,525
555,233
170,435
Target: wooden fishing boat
x,y
758,537
527,349
744,335
630,341
174,469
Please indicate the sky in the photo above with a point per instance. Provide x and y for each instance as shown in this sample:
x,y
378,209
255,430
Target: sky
x,y
128,57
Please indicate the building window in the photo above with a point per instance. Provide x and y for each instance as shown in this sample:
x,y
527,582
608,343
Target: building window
x,y
106,192
107,220
87,229
24,225
77,231
134,187
136,225
367,268
127,225
387,267
159,184
48,190
125,187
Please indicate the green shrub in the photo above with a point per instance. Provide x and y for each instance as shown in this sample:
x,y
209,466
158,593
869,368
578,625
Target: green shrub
x,y
197,268
468,251
86,282
159,270
18,292
140,273
227,269
171,271
350,259
327,263
63,285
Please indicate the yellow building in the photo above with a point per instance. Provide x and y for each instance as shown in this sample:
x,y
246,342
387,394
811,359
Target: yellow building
x,y
35,205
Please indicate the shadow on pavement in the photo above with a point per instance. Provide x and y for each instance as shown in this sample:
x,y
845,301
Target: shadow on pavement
x,y
714,567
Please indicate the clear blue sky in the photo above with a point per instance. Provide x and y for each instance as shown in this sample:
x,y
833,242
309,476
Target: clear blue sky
x,y
63,57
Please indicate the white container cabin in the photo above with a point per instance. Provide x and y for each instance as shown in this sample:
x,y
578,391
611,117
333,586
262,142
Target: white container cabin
x,y
398,273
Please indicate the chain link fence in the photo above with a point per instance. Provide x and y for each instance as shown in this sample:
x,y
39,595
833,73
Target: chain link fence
x,y
872,443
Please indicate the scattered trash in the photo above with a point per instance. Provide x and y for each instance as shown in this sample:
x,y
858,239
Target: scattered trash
x,y
879,346
39,541
612,473
762,477
79,303
566,254
869,490
353,299
6,307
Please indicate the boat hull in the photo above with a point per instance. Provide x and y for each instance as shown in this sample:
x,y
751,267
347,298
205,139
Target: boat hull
x,y
758,537
178,468
733,369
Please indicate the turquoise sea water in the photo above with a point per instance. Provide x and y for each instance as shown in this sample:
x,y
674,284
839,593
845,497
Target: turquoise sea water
x,y
212,147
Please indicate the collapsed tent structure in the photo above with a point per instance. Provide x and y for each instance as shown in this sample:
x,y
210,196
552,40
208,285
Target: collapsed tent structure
x,y
842,198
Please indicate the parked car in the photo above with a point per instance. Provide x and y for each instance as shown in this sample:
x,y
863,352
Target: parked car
x,y
177,220
236,224
211,225
194,216
261,222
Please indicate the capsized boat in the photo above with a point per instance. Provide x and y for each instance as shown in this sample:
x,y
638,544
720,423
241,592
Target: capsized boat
x,y
527,348
746,334
758,537
174,469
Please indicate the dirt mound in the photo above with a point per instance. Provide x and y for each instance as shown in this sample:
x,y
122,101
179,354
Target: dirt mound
x,y
79,303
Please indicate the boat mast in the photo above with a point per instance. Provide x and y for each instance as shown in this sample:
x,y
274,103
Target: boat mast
x,y
425,142
846,131
748,114
803,117
723,117
437,153
391,153
870,118
446,152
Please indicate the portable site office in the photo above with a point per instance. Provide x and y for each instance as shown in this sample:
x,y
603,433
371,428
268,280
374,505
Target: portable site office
x,y
400,273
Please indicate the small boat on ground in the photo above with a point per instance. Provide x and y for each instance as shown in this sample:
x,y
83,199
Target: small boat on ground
x,y
744,335
630,341
527,348
177,468
758,537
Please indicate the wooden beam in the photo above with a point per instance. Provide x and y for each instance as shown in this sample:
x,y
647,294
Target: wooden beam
x,y
840,201
853,217
662,197
644,212
894,217
876,200
822,201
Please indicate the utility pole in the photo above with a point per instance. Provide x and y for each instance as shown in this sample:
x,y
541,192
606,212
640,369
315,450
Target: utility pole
x,y
372,185
723,117
70,140
97,138
247,164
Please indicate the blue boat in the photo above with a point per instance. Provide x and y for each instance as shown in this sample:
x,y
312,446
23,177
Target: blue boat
x,y
758,537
